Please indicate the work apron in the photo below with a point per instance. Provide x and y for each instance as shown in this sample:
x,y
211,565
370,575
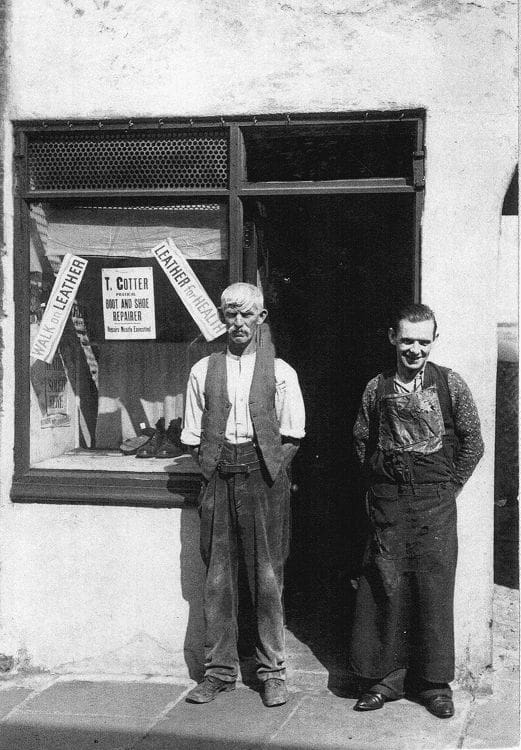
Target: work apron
x,y
404,608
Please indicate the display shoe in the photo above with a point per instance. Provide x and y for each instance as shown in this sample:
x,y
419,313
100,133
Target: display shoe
x,y
209,689
133,444
150,448
171,444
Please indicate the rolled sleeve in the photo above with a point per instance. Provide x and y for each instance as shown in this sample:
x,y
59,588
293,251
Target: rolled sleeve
x,y
191,433
289,404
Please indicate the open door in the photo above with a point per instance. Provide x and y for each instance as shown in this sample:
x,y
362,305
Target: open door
x,y
332,268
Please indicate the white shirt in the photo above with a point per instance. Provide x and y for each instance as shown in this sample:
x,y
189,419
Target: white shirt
x,y
289,404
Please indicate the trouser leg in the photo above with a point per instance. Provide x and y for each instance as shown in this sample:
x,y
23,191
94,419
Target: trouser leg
x,y
262,517
220,588
392,685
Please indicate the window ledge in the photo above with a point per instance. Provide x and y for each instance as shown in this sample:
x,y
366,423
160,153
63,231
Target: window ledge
x,y
106,460
108,478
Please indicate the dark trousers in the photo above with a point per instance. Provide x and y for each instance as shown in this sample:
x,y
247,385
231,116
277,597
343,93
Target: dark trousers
x,y
403,623
244,521
397,684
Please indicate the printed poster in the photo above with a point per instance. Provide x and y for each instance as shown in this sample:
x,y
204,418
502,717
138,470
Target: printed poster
x,y
128,303
189,288
56,401
58,307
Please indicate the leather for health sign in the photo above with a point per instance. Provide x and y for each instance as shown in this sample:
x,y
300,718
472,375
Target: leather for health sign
x,y
189,288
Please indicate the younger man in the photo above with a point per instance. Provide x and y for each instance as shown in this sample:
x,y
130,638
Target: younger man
x,y
418,440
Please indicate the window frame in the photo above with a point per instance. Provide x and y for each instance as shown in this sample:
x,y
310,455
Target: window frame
x,y
95,487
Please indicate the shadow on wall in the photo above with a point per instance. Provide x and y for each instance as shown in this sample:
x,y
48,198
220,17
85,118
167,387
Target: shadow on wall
x,y
506,545
192,582
506,484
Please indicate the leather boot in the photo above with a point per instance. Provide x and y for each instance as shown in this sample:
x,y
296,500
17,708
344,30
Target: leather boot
x,y
150,449
171,444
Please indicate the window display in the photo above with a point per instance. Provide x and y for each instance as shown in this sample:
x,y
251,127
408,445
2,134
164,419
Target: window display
x,y
118,369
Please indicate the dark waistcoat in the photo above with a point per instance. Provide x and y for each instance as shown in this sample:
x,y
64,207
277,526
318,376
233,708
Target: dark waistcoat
x,y
262,409
404,466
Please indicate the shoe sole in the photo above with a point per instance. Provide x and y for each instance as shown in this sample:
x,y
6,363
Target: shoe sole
x,y
132,445
278,703
209,700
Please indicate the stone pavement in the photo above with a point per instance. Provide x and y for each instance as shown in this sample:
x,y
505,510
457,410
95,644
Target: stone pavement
x,y
73,712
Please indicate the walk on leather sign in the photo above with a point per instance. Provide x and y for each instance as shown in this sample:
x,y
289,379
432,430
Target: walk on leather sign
x,y
189,288
58,307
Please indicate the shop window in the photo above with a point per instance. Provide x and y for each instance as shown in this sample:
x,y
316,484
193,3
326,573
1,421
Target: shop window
x,y
107,194
123,358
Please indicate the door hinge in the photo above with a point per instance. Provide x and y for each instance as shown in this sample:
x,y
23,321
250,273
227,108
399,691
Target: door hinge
x,y
418,169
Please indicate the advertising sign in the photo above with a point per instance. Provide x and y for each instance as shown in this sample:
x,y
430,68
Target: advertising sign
x,y
128,303
189,288
58,307
56,401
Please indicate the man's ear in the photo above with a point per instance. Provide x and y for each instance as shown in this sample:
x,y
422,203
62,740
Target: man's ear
x,y
262,316
392,336
220,313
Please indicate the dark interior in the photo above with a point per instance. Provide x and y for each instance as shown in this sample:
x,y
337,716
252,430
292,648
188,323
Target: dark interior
x,y
355,150
333,268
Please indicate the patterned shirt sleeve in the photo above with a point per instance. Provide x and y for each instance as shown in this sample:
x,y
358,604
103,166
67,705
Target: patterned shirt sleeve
x,y
467,427
363,420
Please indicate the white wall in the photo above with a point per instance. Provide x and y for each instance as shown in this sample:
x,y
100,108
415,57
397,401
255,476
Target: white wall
x,y
77,583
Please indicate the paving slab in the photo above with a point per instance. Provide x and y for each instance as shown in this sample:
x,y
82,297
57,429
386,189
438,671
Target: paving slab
x,y
234,721
77,715
11,697
64,732
329,723
84,698
494,723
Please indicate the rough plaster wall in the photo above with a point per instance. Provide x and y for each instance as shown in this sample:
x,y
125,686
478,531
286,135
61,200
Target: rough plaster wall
x,y
103,589
120,57
80,582
3,104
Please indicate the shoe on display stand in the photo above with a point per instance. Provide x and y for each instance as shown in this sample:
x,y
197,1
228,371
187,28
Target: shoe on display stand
x,y
151,447
132,444
171,446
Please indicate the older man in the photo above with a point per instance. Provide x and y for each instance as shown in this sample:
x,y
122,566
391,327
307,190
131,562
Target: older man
x,y
244,418
418,439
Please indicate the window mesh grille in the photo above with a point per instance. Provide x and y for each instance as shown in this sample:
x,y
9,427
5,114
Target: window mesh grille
x,y
126,161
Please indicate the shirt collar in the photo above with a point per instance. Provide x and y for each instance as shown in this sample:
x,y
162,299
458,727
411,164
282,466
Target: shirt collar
x,y
245,355
413,385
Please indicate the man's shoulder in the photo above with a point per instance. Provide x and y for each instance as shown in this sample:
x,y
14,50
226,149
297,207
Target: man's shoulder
x,y
283,368
372,384
441,368
453,378
200,367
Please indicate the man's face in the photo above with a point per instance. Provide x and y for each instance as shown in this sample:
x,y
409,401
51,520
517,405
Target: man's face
x,y
413,342
242,323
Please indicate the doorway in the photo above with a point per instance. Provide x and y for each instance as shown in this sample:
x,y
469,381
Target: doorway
x,y
332,268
